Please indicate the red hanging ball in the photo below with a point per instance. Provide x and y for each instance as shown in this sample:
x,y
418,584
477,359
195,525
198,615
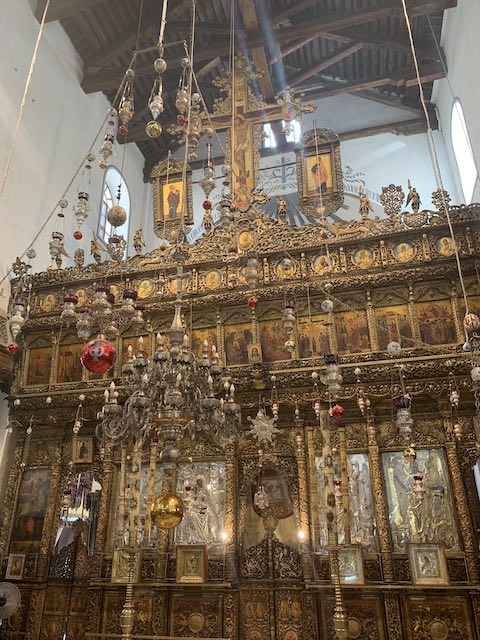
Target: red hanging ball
x,y
98,356
182,120
207,205
252,302
13,347
337,412
123,129
78,235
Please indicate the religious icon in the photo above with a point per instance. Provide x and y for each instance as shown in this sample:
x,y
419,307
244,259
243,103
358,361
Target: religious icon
x,y
322,263
319,174
313,338
82,297
350,564
198,338
191,563
213,279
428,564
446,246
272,339
82,449
69,367
39,365
16,562
362,258
245,240
254,353
352,332
30,512
146,288
393,325
126,564
435,320
237,339
172,200
403,251
48,302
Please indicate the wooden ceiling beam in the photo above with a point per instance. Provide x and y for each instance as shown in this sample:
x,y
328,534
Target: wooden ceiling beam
x,y
328,61
403,78
248,12
62,9
104,80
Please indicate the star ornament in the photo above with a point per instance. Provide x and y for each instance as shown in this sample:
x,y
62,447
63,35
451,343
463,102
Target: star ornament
x,y
263,428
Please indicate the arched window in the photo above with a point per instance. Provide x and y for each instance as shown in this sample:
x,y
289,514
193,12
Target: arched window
x,y
112,182
294,135
463,152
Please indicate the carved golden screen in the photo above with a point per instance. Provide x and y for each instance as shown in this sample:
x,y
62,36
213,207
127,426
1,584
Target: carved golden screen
x,y
133,341
198,338
412,520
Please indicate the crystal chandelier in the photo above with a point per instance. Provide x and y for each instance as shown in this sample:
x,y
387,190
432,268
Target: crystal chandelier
x,y
171,394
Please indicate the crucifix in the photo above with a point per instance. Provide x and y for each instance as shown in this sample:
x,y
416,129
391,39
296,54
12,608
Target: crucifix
x,y
242,113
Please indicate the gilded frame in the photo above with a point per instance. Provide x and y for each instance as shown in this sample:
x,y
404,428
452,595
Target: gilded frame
x,y
123,559
169,172
350,564
420,556
317,144
191,564
77,443
15,566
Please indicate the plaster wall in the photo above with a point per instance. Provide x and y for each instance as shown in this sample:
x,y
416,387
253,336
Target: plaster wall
x,y
59,123
461,45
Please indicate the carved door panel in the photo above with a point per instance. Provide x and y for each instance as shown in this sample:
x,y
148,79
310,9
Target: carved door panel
x,y
438,619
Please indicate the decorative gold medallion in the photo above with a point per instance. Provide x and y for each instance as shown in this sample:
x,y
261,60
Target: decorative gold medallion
x,y
403,251
362,258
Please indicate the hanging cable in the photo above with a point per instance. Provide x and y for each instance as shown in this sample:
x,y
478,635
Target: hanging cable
x,y
24,99
433,152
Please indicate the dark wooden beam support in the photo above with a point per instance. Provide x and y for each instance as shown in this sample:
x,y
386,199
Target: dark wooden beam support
x,y
328,61
105,80
62,9
404,77
248,12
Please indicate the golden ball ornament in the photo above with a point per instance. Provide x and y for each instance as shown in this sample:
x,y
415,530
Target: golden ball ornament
x,y
321,211
167,511
153,129
116,215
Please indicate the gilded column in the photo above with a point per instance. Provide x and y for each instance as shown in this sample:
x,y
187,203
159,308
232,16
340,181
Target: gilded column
x,y
303,492
108,468
231,541
412,314
10,499
313,485
51,515
393,617
372,325
164,537
456,315
466,526
383,525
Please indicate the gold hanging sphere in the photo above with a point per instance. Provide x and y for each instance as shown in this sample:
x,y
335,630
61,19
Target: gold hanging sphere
x,y
167,511
153,129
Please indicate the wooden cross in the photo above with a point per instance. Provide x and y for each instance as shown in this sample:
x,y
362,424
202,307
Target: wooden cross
x,y
245,136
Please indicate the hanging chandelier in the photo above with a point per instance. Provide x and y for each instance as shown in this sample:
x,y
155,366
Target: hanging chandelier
x,y
171,394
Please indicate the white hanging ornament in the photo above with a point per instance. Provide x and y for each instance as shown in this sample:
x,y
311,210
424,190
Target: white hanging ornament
x,y
156,103
393,348
475,374
327,305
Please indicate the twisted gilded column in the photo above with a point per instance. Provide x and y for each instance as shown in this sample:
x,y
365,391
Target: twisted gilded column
x,y
300,452
108,469
393,616
466,527
383,524
51,515
232,542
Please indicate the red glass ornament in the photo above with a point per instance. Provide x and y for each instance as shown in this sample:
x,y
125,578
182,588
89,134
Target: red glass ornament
x,y
337,412
418,478
98,355
78,235
13,347
207,205
123,129
252,302
182,120
338,483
